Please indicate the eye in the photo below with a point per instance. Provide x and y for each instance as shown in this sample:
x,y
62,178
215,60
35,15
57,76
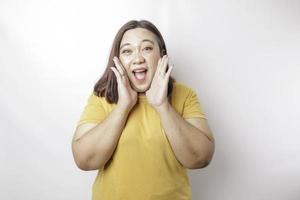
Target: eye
x,y
148,48
126,51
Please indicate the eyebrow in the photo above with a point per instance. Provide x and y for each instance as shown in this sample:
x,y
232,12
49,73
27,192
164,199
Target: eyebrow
x,y
145,40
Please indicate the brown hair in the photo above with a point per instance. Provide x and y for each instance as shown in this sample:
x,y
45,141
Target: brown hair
x,y
106,86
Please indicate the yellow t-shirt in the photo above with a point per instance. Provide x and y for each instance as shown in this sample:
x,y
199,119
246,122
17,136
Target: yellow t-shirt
x,y
143,166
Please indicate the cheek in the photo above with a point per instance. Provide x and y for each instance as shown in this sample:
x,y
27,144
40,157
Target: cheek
x,y
125,61
153,60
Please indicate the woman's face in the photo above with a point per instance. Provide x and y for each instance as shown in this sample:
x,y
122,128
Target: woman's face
x,y
139,54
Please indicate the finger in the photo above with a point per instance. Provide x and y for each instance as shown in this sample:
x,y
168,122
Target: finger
x,y
169,72
119,66
157,67
117,74
164,65
161,60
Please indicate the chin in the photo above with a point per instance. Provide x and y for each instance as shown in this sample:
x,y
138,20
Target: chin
x,y
141,89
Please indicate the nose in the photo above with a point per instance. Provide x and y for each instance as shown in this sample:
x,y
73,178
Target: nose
x,y
138,58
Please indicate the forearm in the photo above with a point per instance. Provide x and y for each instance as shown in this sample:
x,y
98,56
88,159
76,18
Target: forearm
x,y
191,146
96,146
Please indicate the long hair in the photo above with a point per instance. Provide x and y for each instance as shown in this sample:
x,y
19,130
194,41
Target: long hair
x,y
107,86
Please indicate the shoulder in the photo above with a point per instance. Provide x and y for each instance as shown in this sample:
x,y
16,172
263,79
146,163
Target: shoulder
x,y
181,90
94,97
180,94
96,100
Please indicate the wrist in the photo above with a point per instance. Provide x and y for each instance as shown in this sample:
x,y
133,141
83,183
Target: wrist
x,y
163,107
123,108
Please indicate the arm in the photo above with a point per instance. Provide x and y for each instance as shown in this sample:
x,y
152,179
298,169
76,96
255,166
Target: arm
x,y
94,144
191,139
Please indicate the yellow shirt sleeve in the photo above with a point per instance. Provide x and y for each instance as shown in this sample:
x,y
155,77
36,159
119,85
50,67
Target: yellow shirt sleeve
x,y
93,112
192,107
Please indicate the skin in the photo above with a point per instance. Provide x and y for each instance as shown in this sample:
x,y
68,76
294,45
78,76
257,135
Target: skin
x,y
191,139
139,48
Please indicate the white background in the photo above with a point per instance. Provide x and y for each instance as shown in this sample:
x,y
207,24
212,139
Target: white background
x,y
241,57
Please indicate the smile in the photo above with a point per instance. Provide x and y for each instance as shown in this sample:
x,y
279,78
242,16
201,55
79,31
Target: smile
x,y
140,74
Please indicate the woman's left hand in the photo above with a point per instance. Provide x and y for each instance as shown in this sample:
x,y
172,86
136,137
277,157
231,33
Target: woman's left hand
x,y
157,94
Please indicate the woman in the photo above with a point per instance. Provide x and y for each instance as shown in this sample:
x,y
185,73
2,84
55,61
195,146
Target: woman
x,y
140,128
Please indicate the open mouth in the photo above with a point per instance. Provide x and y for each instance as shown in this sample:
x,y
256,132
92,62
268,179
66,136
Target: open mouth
x,y
140,74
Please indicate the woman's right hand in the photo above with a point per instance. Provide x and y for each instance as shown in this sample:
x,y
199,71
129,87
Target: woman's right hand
x,y
127,96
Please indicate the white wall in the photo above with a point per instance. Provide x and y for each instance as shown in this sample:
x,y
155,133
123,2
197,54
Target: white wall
x,y
242,57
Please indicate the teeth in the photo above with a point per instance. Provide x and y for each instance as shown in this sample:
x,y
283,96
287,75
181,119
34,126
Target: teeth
x,y
139,70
